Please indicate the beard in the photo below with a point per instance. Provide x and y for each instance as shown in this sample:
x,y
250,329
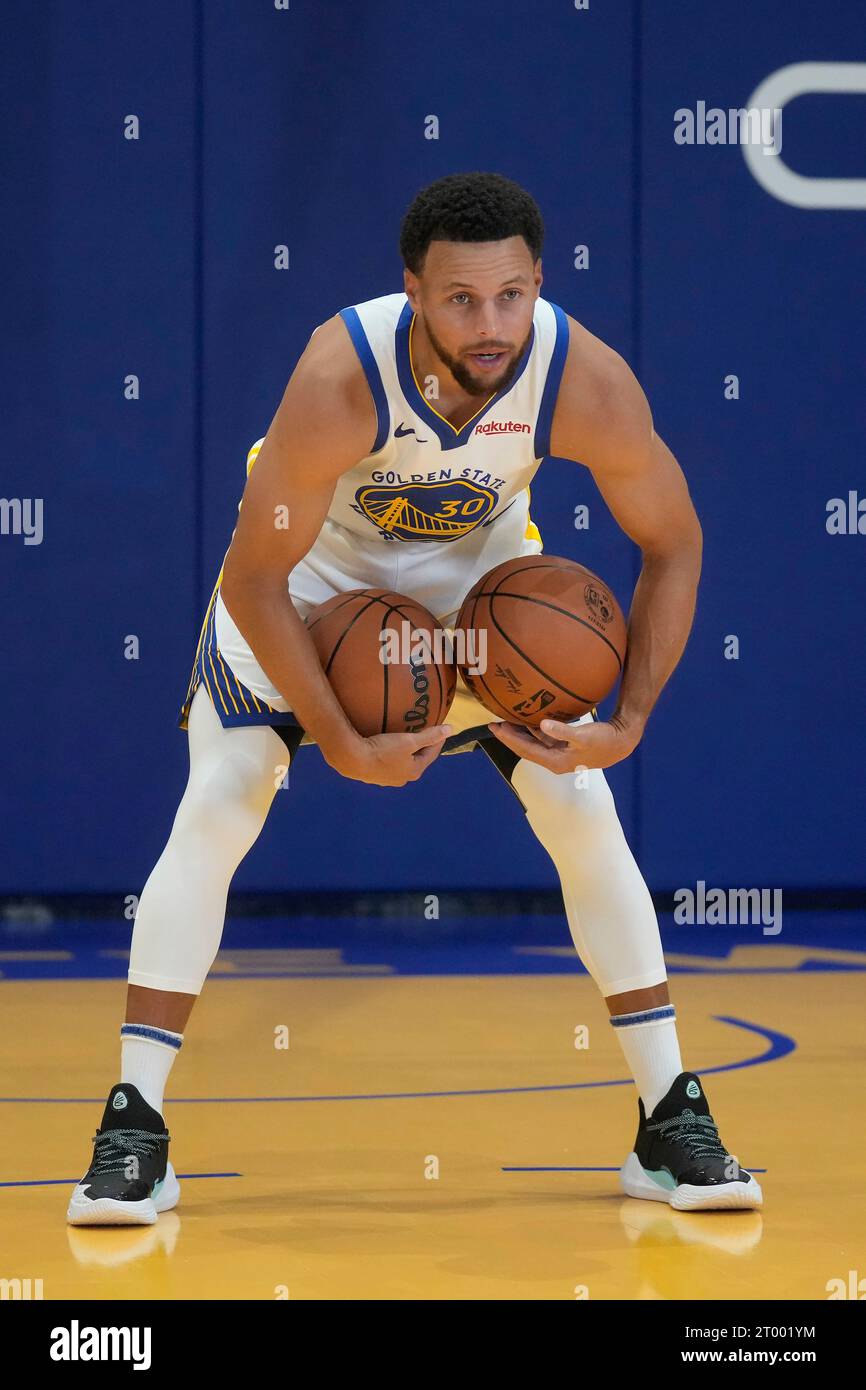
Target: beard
x,y
473,385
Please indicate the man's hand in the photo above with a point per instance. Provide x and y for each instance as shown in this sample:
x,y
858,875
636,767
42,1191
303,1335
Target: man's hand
x,y
388,760
566,747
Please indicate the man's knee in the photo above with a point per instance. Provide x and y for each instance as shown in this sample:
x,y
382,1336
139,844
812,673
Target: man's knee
x,y
225,806
580,798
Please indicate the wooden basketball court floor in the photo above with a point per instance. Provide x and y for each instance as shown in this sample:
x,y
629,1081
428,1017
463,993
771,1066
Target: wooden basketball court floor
x,y
439,1136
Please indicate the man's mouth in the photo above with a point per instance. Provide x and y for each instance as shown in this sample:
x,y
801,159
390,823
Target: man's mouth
x,y
488,361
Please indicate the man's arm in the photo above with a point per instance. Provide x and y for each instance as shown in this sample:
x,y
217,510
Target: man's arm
x,y
603,421
324,424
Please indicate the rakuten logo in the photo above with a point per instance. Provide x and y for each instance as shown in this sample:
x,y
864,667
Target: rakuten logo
x,y
502,427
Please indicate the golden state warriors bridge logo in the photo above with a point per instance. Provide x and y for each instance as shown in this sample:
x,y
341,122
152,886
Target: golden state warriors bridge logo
x,y
442,511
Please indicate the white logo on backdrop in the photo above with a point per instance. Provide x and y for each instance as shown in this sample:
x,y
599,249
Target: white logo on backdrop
x,y
774,175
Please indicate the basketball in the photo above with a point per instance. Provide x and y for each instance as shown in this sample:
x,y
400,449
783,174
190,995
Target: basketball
x,y
388,660
555,640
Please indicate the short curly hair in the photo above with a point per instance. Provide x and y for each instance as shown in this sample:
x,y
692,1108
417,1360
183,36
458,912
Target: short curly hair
x,y
469,207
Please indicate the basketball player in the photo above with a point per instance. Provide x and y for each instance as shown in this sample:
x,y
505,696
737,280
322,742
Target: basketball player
x,y
385,404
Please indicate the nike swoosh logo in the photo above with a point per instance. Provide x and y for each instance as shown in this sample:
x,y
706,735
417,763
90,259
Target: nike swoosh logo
x,y
400,432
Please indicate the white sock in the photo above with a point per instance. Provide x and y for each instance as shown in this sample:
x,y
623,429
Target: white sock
x,y
649,1042
146,1058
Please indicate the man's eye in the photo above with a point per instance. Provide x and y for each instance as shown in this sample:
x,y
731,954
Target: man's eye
x,y
513,294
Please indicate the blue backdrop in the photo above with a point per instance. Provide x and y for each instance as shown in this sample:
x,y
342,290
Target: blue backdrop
x,y
148,338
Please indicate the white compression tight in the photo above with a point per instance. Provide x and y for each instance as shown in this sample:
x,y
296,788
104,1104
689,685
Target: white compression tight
x,y
610,912
233,778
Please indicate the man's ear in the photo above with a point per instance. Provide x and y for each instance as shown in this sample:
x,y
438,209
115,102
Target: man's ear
x,y
410,287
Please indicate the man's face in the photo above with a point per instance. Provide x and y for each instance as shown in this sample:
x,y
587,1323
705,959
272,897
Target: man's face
x,y
476,300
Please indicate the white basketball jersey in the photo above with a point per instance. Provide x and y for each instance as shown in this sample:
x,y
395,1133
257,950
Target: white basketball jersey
x,y
426,482
432,508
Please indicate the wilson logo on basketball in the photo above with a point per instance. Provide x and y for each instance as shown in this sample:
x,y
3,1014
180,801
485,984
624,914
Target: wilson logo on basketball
x,y
417,716
502,427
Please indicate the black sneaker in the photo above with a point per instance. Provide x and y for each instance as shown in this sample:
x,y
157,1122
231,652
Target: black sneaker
x,y
130,1179
679,1158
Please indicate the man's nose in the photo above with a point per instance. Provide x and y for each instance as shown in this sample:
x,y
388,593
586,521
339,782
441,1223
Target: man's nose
x,y
487,320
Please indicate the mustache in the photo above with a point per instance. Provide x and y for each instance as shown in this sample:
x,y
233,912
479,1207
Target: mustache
x,y
492,347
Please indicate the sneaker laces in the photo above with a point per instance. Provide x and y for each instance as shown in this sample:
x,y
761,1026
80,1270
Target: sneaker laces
x,y
698,1134
113,1147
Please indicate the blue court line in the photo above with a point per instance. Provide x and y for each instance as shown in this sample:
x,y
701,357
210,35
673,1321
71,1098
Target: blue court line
x,y
63,1182
780,1046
